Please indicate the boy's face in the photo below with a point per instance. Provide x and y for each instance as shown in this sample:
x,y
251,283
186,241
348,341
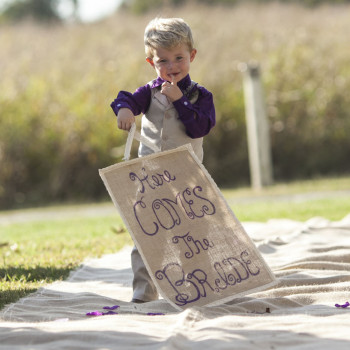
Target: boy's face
x,y
172,64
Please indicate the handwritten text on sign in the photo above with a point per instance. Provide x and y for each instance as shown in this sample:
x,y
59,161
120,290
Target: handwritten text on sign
x,y
193,245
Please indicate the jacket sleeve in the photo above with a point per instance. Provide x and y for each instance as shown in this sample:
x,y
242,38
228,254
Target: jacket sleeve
x,y
138,102
198,117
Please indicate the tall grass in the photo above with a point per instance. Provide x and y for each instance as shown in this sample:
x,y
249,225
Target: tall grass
x,y
57,82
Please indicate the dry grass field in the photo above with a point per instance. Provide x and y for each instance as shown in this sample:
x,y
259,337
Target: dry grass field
x,y
57,82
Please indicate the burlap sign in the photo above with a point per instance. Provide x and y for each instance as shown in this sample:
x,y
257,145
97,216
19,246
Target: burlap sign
x,y
194,248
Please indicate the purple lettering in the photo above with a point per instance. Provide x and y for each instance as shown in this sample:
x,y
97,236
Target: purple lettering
x,y
141,204
191,242
175,276
156,180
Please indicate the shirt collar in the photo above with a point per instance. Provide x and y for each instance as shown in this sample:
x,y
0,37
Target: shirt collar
x,y
183,84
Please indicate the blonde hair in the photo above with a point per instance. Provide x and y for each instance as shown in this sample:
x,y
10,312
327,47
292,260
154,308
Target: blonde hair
x,y
167,33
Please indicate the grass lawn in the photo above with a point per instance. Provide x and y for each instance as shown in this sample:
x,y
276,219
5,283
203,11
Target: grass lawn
x,y
298,200
40,252
34,253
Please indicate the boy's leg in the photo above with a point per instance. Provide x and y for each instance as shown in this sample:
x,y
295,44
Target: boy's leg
x,y
143,286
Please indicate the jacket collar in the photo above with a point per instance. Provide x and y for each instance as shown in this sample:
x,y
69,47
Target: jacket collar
x,y
183,84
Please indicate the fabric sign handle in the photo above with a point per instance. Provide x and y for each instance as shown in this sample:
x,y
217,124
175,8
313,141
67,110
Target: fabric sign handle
x,y
135,134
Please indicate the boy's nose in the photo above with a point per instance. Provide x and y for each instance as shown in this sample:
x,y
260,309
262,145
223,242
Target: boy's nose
x,y
170,64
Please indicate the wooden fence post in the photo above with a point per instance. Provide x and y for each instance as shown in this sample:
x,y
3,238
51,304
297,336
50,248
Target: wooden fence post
x,y
259,148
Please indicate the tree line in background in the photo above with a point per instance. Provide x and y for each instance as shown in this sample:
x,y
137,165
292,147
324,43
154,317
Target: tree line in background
x,y
57,82
40,10
141,6
47,10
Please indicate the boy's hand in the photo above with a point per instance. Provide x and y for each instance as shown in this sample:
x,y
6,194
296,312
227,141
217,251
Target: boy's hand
x,y
171,90
125,119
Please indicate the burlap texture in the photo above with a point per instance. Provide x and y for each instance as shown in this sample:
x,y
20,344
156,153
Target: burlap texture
x,y
193,246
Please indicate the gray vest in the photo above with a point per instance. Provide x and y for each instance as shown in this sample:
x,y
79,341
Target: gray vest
x,y
161,126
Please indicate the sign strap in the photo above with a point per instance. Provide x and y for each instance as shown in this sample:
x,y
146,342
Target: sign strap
x,y
133,134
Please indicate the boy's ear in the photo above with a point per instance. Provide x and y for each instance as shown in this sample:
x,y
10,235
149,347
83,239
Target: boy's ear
x,y
193,54
150,61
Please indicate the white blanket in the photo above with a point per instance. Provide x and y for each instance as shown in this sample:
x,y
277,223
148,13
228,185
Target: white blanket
x,y
311,261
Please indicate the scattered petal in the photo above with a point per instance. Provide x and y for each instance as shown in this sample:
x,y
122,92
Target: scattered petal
x,y
344,305
98,313
110,313
94,313
111,307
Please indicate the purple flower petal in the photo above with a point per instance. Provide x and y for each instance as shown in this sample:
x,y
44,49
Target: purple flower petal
x,y
111,307
94,313
155,314
110,313
344,305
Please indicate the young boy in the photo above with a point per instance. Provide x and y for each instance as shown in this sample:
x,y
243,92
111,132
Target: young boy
x,y
176,111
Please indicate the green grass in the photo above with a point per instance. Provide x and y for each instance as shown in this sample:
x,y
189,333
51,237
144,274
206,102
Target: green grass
x,y
35,253
332,209
322,184
297,200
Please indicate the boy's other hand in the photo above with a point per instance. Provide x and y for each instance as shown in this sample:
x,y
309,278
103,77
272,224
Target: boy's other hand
x,y
125,119
171,90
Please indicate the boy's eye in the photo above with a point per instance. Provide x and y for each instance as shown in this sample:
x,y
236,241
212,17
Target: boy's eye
x,y
179,58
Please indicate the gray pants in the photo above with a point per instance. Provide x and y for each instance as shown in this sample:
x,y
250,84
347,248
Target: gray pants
x,y
142,284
